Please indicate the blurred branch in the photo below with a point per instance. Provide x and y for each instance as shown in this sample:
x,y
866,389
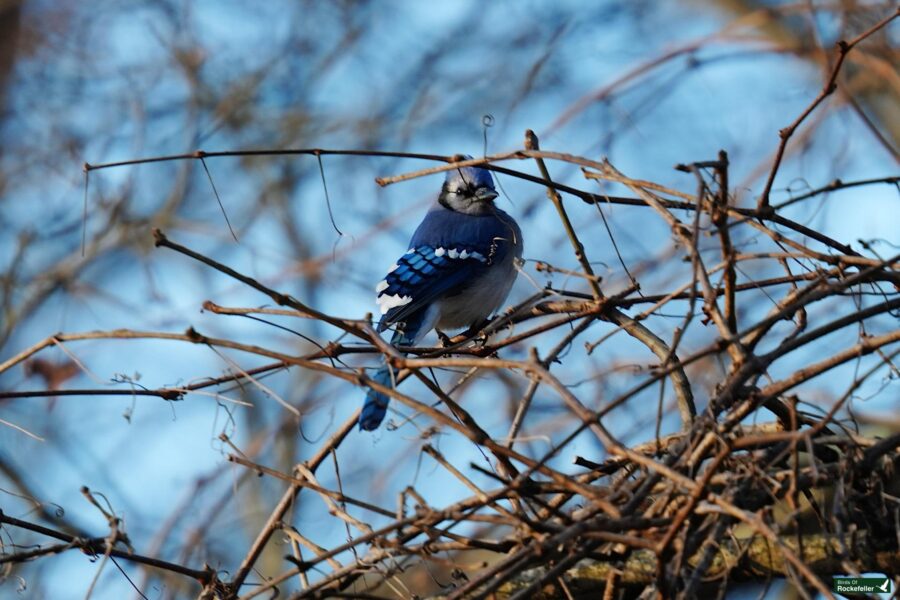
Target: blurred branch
x,y
10,26
828,88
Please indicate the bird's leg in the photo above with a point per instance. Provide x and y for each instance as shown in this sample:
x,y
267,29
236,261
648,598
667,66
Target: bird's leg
x,y
477,333
444,338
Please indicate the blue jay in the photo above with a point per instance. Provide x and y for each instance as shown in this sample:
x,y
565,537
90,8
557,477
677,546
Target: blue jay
x,y
458,270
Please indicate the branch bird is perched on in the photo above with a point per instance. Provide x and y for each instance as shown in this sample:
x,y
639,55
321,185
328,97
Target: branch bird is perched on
x,y
458,270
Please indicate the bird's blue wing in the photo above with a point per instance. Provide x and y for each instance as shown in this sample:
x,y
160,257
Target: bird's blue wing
x,y
424,274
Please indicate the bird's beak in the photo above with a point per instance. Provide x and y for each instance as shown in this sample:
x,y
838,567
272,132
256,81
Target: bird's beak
x,y
485,194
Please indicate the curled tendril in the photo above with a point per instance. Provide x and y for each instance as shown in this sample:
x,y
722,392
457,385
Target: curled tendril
x,y
487,121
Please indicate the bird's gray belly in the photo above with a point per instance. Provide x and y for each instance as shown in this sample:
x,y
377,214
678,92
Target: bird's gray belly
x,y
477,301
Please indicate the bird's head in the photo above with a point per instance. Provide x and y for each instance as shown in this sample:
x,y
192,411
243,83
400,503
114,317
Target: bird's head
x,y
468,190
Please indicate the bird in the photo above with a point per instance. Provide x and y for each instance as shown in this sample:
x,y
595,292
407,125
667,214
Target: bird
x,y
460,266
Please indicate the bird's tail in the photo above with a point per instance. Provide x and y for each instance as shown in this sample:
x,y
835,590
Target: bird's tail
x,y
375,406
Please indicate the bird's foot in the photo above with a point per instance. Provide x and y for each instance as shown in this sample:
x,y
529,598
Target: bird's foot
x,y
477,334
444,338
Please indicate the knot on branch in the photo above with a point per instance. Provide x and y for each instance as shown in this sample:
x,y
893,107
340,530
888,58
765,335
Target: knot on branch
x,y
194,336
159,237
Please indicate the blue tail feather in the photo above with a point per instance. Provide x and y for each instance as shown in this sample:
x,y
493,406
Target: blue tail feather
x,y
375,407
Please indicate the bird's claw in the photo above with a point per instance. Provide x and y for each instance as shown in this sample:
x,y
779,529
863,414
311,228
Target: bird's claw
x,y
444,338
